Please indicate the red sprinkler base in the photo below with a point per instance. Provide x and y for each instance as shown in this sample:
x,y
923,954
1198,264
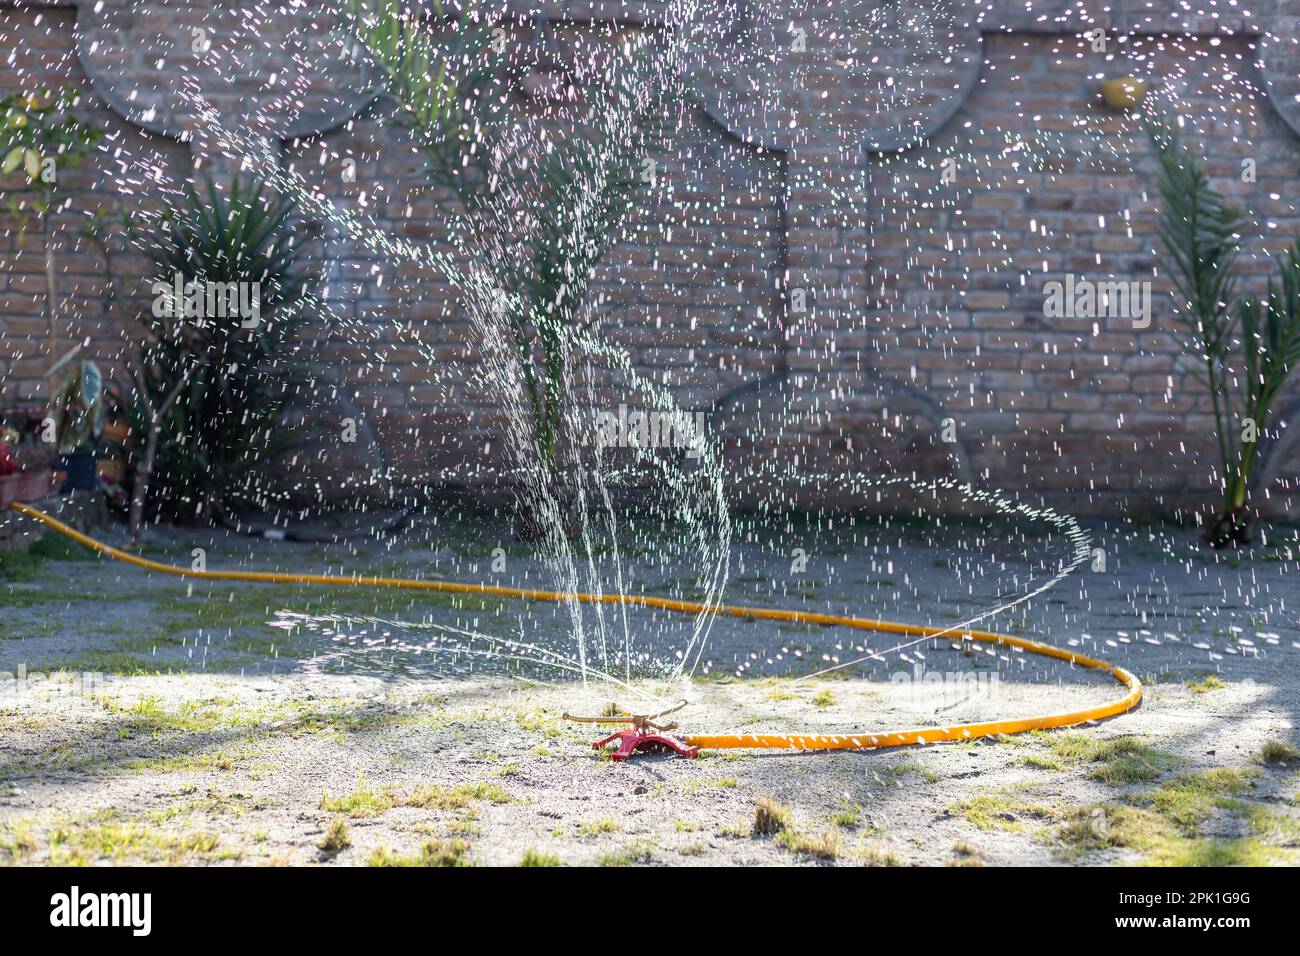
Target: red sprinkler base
x,y
634,739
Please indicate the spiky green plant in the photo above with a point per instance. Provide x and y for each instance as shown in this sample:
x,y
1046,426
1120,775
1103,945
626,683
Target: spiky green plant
x,y
448,74
224,386
442,69
1270,349
589,188
1247,346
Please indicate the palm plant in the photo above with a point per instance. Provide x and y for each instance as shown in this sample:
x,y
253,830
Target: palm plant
x,y
588,189
1270,350
446,86
208,391
450,89
1247,347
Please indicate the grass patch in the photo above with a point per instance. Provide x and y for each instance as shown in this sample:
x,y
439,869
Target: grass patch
x,y
966,854
595,828
824,698
128,841
222,760
63,595
848,817
19,566
1117,761
540,722
1188,799
1165,824
1273,828
1278,752
777,820
1241,852
1001,810
720,783
1043,762
338,836
822,846
433,853
55,547
26,565
770,817
148,716
537,858
1206,684
366,802
213,803
18,841
1272,840
877,854
640,851
1111,826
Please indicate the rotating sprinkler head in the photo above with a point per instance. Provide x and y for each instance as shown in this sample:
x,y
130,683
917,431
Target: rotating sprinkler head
x,y
645,733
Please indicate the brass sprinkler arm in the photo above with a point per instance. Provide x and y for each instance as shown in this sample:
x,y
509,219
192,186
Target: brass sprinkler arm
x,y
639,721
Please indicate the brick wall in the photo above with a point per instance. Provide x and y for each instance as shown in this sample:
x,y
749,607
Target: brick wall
x,y
924,299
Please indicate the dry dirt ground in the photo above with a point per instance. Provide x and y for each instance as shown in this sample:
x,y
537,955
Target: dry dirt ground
x,y
146,720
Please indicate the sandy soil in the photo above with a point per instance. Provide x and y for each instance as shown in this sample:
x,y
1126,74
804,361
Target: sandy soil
x,y
144,720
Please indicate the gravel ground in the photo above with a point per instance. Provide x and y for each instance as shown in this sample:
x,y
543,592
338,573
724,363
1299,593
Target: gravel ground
x,y
143,719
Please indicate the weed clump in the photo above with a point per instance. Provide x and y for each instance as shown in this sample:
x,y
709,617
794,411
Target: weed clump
x,y
823,846
1278,752
338,836
433,853
1206,684
770,817
535,858
1117,761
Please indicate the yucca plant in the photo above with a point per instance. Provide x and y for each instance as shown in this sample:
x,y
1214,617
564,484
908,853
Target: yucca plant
x,y
1247,347
208,391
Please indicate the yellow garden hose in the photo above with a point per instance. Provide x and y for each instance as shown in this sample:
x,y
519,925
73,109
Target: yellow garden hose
x,y
856,741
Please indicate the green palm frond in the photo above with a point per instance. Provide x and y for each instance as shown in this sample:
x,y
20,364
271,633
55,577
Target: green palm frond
x,y
449,79
1200,231
1270,337
1251,341
439,68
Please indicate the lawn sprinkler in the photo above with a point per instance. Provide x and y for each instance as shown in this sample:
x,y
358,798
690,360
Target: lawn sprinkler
x,y
646,733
